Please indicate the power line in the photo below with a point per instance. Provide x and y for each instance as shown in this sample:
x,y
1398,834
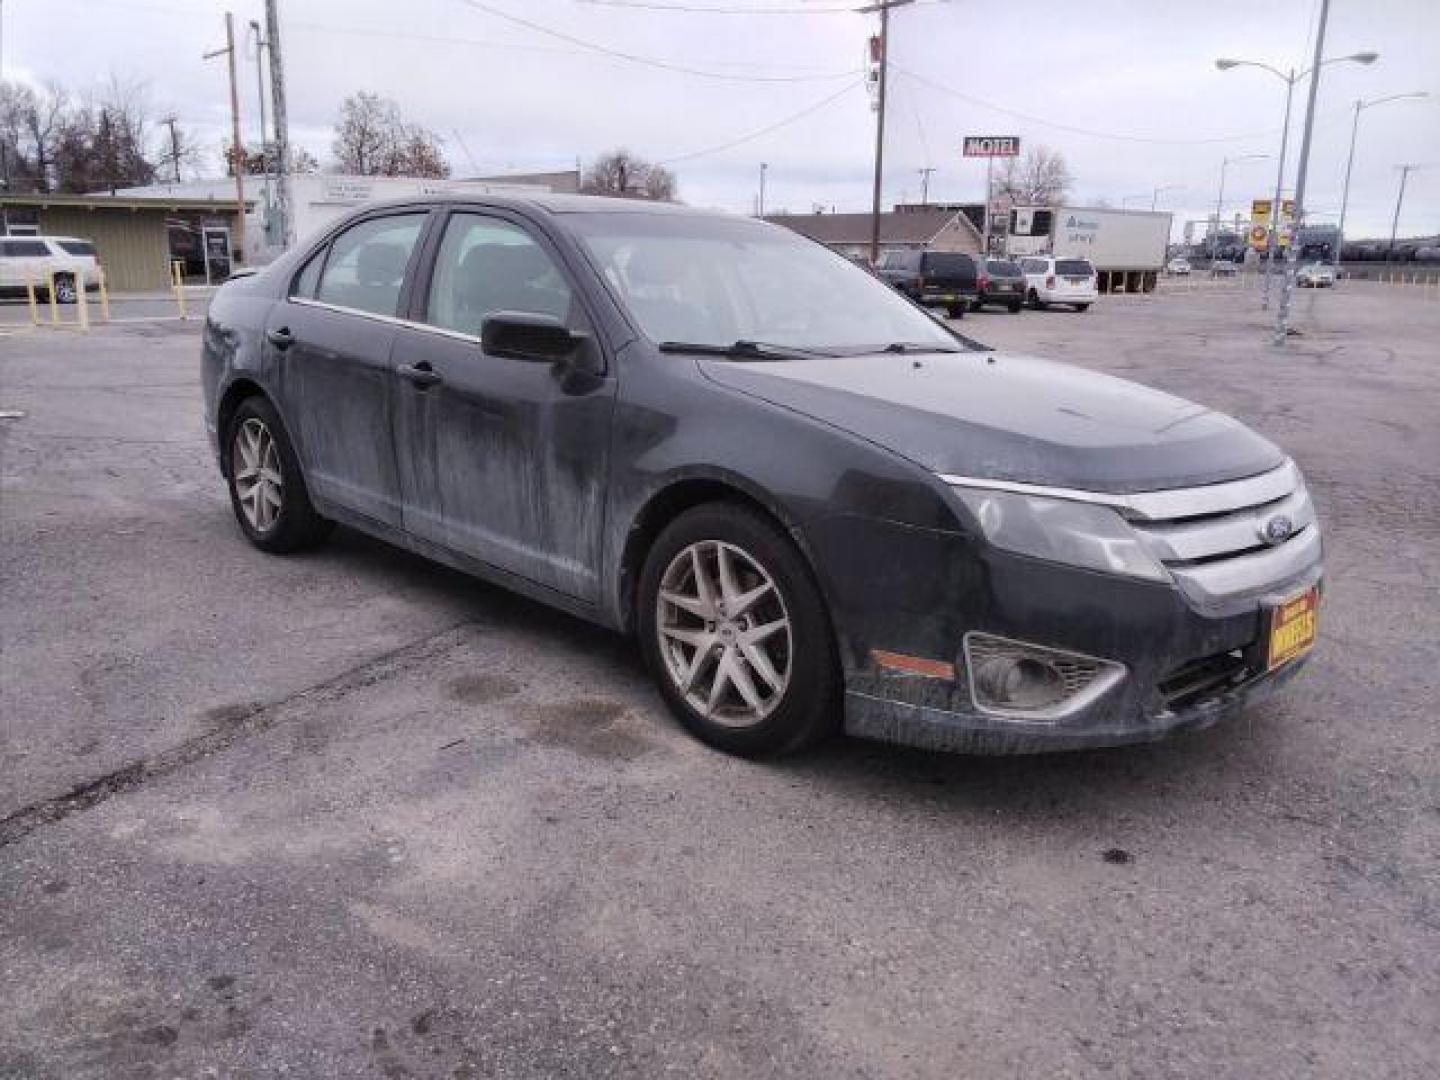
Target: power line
x,y
1071,128
777,125
648,61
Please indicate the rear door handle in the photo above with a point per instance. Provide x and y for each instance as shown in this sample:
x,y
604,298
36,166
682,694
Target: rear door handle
x,y
421,374
281,338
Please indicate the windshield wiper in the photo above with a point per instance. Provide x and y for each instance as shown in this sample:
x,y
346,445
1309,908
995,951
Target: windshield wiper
x,y
914,347
743,350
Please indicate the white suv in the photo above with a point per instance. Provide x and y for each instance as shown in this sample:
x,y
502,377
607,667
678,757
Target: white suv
x,y
33,259
1049,280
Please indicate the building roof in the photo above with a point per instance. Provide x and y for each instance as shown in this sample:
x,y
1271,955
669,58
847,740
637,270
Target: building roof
x,y
111,202
911,226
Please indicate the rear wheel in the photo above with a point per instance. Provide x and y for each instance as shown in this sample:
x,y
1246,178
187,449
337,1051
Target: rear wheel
x,y
1082,307
956,311
1034,298
1014,306
736,634
267,490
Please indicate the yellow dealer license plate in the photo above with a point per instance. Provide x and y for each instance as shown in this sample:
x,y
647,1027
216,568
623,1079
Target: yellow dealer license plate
x,y
1292,628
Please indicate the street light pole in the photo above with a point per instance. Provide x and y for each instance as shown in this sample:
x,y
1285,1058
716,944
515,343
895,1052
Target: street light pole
x,y
1361,105
761,207
1290,78
1292,253
1405,171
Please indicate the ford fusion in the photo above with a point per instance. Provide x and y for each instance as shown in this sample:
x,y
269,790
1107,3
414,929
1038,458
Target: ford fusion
x,y
815,506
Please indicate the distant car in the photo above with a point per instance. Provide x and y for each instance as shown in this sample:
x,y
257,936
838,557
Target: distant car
x,y
945,279
1315,276
1224,268
1001,282
1178,267
32,260
1049,280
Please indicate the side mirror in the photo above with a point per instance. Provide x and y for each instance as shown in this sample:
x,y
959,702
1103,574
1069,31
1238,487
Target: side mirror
x,y
522,335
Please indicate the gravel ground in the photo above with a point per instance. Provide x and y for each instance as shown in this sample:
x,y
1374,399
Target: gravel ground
x,y
350,814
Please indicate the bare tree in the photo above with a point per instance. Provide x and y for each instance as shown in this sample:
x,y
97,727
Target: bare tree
x,y
624,174
1040,178
266,159
372,138
103,143
31,125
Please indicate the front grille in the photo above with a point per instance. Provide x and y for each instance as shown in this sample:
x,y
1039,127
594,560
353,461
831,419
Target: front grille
x,y
1200,680
1218,541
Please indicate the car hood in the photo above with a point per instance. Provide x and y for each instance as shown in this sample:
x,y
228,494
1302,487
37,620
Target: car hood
x,y
1002,416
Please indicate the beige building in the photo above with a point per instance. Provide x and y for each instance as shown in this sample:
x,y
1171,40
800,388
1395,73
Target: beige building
x,y
133,237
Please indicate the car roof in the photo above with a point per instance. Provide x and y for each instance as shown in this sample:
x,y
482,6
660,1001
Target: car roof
x,y
553,204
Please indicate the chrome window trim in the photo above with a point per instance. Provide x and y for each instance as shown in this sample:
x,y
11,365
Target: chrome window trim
x,y
1169,505
392,320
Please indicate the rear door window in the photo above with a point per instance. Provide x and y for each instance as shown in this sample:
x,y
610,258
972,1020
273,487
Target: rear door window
x,y
944,265
367,264
77,247
1033,266
23,249
1073,268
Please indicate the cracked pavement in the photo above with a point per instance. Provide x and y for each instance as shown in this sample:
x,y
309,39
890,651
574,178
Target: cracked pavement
x,y
352,814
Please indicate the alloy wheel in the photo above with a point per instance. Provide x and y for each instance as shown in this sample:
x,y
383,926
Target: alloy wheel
x,y
724,633
259,483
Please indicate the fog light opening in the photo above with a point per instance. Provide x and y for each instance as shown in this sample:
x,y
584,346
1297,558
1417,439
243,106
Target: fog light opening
x,y
1018,680
1022,682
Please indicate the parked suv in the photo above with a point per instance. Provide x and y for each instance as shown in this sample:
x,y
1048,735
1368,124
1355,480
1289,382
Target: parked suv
x,y
812,504
33,259
1049,280
945,279
1003,283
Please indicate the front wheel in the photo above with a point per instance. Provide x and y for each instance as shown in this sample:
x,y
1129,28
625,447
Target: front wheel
x,y
267,490
956,311
1014,306
736,633
1082,307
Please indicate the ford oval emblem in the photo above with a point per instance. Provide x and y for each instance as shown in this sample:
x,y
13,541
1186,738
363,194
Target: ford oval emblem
x,y
1277,530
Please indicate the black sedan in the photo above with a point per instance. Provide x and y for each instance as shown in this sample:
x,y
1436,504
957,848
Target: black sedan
x,y
814,504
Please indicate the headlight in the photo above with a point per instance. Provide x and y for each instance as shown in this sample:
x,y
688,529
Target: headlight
x,y
1062,531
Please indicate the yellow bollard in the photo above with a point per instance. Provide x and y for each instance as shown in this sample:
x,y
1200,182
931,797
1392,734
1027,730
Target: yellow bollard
x,y
81,302
30,296
177,278
104,293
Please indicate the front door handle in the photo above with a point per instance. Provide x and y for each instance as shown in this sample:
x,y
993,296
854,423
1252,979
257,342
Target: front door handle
x,y
281,337
421,374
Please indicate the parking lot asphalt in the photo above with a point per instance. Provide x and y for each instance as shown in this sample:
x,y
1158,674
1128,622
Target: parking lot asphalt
x,y
350,814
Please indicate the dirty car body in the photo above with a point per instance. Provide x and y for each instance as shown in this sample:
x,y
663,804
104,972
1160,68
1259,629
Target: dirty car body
x,y
1013,555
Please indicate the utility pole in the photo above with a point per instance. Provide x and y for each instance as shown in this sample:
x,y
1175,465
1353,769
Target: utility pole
x,y
1360,106
169,121
883,60
1292,252
282,125
989,204
761,207
238,148
925,184
260,44
1405,171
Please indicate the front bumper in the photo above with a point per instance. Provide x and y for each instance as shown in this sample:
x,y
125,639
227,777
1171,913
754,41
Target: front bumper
x,y
922,590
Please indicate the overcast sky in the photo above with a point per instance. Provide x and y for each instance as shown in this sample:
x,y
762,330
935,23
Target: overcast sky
x,y
1093,79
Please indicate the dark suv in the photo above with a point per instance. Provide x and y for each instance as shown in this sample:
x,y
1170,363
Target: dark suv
x,y
810,502
934,278
1002,282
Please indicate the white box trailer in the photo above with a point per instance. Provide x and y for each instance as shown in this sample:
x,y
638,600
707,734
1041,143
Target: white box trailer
x,y
1126,247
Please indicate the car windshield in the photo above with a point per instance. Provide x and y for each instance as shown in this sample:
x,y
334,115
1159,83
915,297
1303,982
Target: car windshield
x,y
716,281
1077,267
1003,268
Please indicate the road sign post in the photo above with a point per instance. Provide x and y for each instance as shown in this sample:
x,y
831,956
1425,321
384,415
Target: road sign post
x,y
989,147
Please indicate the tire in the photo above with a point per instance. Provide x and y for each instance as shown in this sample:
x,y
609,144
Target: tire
x,y
1034,299
64,289
1014,306
795,704
1082,307
956,311
273,521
